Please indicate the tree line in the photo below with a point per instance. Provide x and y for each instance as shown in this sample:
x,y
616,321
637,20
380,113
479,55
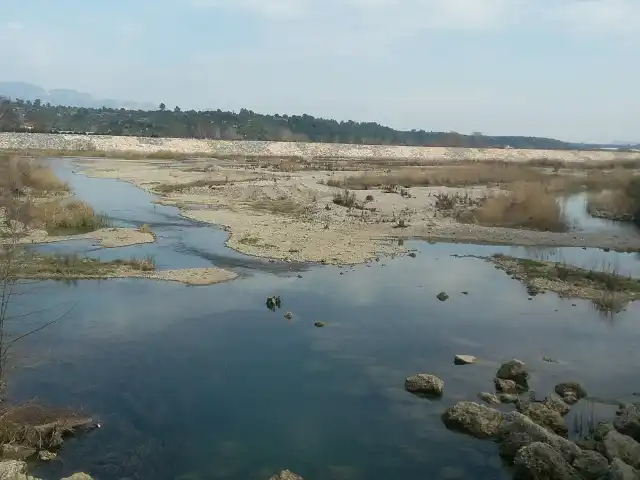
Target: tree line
x,y
35,116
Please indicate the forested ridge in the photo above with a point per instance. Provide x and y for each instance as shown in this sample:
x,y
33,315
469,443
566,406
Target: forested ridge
x,y
36,116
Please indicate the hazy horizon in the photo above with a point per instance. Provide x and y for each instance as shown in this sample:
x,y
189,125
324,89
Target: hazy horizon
x,y
543,68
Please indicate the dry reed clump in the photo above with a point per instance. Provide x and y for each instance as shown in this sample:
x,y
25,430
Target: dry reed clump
x,y
450,176
21,173
614,205
34,426
66,216
526,205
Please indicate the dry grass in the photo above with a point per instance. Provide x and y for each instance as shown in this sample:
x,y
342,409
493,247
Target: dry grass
x,y
527,205
34,426
283,205
62,216
614,205
21,173
180,187
145,228
450,176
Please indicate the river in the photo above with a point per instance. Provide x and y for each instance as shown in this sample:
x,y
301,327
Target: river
x,y
199,383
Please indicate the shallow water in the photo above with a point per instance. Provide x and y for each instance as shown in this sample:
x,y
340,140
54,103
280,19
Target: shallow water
x,y
206,383
575,209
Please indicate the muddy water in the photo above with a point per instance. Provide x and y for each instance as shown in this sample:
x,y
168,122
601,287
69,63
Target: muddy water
x,y
206,383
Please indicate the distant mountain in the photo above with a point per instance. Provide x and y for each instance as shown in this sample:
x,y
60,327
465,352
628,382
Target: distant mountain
x,y
66,97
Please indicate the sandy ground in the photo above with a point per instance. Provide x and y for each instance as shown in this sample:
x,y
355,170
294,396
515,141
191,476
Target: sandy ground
x,y
106,237
188,276
291,216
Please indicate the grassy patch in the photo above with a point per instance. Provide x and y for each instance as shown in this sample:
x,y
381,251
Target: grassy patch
x,y
283,205
22,175
66,217
450,176
179,187
605,287
528,206
32,265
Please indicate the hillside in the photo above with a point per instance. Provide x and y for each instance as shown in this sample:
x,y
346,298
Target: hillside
x,y
37,116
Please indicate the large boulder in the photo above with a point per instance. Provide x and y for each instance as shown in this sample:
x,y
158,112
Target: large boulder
x,y
286,475
518,431
425,384
570,392
591,465
546,417
554,402
627,421
621,471
13,470
617,445
514,370
539,461
474,419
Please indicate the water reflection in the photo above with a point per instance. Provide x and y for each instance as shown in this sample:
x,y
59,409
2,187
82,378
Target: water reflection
x,y
202,383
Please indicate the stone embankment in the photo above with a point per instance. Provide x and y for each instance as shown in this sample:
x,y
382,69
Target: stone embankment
x,y
186,146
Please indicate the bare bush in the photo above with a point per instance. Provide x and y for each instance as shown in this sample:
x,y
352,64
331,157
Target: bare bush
x,y
528,206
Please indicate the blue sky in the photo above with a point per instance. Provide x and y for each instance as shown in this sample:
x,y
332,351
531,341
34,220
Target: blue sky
x,y
562,68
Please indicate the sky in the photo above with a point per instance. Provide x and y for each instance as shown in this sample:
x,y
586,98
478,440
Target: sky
x,y
566,69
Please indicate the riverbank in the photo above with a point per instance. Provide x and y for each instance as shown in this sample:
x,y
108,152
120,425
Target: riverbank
x,y
299,214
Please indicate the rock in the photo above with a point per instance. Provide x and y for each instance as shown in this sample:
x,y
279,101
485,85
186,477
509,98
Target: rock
x,y
554,402
78,476
627,421
591,465
570,392
288,315
17,452
546,417
514,370
286,475
425,384
319,324
519,431
489,398
508,398
617,445
442,296
539,461
13,470
46,455
549,360
474,419
464,359
506,386
621,471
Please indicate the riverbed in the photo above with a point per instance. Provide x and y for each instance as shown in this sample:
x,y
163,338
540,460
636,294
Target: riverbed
x,y
206,383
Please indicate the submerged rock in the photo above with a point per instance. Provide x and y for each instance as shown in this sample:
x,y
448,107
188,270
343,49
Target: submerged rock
x,y
519,431
617,445
442,296
288,315
319,324
489,398
591,465
514,370
79,476
621,471
17,452
539,461
286,475
425,384
508,398
546,417
464,359
570,392
627,421
474,419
